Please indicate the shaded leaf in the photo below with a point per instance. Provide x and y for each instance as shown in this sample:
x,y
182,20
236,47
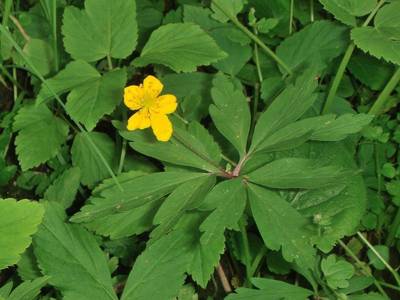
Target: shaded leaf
x,y
162,265
72,258
18,221
40,135
103,28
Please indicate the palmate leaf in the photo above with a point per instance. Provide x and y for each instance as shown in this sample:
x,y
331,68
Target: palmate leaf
x,y
281,226
270,289
159,272
72,258
318,43
181,47
299,97
137,191
192,147
18,221
288,173
40,135
103,28
337,273
230,112
382,40
85,157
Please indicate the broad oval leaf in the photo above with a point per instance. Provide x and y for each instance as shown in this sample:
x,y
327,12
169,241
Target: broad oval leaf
x,y
181,47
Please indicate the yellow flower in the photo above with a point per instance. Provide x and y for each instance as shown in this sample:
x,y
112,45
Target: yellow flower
x,y
152,109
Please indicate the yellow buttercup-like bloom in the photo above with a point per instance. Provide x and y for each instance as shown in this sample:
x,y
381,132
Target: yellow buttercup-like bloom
x,y
152,109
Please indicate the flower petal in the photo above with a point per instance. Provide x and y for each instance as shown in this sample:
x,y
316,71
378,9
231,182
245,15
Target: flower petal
x,y
166,104
152,86
140,120
162,127
133,97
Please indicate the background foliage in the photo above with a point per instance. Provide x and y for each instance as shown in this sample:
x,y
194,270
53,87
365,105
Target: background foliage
x,y
281,180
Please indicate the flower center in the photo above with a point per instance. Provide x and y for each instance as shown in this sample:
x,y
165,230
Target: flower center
x,y
148,100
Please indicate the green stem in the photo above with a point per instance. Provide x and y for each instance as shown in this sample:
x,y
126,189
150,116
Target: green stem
x,y
123,147
55,39
390,286
252,36
257,260
311,11
393,229
338,78
345,62
379,104
363,268
109,62
246,248
385,263
291,17
227,159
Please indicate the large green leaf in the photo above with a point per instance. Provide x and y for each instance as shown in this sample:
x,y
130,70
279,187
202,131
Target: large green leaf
x,y
281,226
287,108
287,173
127,223
193,147
137,191
88,160
181,47
230,112
18,221
159,272
230,199
72,257
40,135
272,290
382,40
318,43
103,28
